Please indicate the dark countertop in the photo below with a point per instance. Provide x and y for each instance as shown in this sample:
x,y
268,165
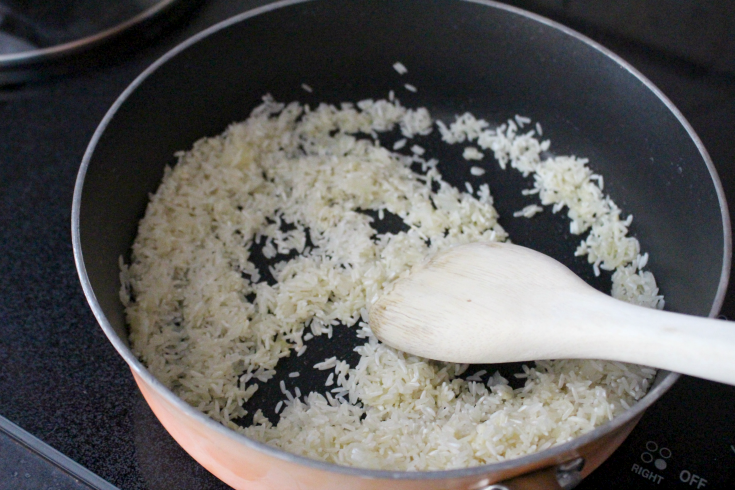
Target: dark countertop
x,y
60,379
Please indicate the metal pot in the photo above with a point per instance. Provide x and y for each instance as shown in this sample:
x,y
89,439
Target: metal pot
x,y
488,58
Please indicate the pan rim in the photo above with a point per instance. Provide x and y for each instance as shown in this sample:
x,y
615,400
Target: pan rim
x,y
554,453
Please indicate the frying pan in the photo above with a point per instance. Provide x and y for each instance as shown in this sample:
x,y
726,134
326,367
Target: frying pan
x,y
493,60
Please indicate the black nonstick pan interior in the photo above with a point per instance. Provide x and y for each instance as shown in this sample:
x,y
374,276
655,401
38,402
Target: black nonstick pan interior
x,y
462,56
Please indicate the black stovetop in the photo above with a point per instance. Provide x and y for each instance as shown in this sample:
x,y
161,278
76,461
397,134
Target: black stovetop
x,y
61,380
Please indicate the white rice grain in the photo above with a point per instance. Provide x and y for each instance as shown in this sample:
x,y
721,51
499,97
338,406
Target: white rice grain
x,y
400,68
529,211
472,153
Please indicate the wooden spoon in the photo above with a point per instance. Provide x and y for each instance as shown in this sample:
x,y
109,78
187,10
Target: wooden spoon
x,y
497,302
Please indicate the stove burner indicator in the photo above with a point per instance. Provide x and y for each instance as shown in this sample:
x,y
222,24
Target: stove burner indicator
x,y
651,453
656,455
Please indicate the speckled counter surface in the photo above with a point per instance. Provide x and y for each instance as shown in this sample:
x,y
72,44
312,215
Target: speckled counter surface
x,y
60,379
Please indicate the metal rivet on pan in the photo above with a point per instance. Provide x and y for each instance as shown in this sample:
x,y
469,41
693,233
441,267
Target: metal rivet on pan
x,y
569,474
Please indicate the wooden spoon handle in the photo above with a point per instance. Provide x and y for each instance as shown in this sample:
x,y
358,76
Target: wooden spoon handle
x,y
697,346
